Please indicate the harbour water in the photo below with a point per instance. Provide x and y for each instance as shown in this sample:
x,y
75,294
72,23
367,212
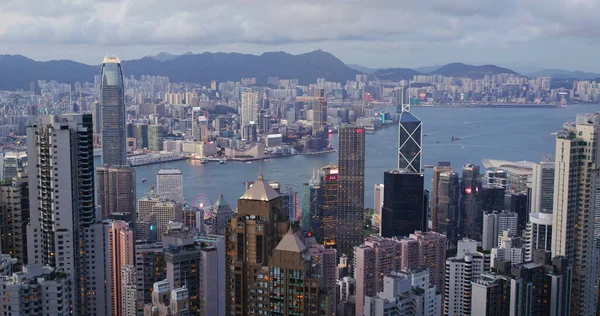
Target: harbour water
x,y
514,134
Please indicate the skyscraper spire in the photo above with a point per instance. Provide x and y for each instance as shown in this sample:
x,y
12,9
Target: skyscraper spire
x,y
409,139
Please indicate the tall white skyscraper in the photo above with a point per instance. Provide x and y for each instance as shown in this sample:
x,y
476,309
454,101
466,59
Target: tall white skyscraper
x,y
64,230
577,156
169,184
249,109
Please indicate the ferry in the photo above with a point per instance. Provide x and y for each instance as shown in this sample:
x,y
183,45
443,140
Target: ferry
x,y
203,160
428,166
223,161
144,180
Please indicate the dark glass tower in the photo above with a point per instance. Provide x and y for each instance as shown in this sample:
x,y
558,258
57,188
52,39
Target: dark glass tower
x,y
409,142
404,210
471,216
448,190
112,101
351,186
320,129
328,206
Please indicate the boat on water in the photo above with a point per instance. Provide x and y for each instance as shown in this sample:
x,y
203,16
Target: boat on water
x,y
454,138
248,161
223,161
144,180
463,147
203,160
428,166
553,133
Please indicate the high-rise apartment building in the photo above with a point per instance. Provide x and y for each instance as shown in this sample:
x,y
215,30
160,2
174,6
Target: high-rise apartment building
x,y
293,289
121,249
437,171
14,218
128,291
410,138
324,264
494,225
183,265
351,186
169,184
405,294
37,290
577,158
64,230
249,110
404,209
116,190
379,256
165,210
112,102
463,269
150,267
510,249
252,236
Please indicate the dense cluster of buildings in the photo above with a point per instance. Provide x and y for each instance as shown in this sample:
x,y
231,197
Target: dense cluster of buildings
x,y
506,239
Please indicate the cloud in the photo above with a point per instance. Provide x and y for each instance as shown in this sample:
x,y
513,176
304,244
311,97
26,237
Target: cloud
x,y
346,26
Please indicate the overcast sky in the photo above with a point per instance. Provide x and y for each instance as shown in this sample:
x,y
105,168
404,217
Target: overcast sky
x,y
523,34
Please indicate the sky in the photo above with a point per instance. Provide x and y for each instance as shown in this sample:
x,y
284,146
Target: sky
x,y
523,34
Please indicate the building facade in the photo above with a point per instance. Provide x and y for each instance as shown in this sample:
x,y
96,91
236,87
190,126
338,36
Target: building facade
x,y
116,190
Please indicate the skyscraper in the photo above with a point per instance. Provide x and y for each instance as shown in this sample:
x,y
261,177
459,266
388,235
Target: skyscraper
x,y
328,204
320,129
112,101
15,163
378,205
448,195
155,137
116,190
539,228
64,231
471,216
409,141
351,186
437,170
577,158
169,184
253,234
404,210
249,110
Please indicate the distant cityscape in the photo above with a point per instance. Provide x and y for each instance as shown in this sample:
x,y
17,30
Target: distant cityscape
x,y
505,238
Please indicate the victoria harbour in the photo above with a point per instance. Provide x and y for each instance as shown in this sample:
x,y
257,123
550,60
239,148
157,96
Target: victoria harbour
x,y
514,134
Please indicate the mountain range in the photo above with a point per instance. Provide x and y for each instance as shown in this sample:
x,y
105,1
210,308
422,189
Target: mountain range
x,y
16,71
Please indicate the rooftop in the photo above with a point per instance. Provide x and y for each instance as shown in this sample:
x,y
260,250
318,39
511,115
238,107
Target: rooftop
x,y
260,191
169,171
407,117
513,167
111,60
291,242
